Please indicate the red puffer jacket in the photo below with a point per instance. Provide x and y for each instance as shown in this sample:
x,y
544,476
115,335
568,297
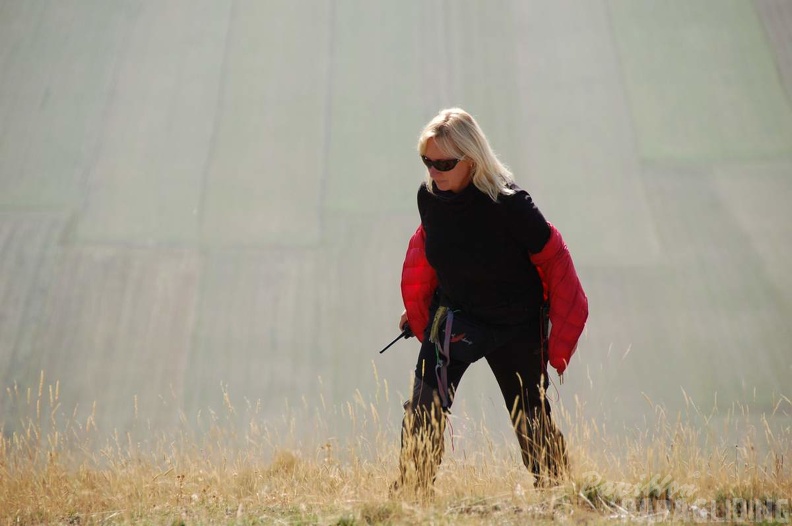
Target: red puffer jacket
x,y
568,302
418,283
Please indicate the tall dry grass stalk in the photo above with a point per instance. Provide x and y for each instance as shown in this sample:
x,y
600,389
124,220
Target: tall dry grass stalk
x,y
55,468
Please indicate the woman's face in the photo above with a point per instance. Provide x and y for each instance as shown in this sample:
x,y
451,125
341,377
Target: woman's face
x,y
454,180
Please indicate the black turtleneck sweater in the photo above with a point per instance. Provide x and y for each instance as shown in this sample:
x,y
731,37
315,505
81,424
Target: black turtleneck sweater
x,y
481,251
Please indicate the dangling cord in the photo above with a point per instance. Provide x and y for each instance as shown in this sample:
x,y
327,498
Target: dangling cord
x,y
442,378
545,344
450,430
443,391
447,348
557,394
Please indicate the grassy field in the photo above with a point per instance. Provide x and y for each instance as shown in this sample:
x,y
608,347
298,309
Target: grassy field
x,y
54,469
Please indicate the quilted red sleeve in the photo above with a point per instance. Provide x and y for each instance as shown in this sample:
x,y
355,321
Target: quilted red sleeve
x,y
568,302
418,283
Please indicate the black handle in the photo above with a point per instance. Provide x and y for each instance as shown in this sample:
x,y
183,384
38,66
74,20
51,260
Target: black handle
x,y
406,333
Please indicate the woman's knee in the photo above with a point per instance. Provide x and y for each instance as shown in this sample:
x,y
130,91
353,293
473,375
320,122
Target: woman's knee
x,y
424,396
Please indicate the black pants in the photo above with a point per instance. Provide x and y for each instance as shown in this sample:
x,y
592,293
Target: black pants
x,y
520,367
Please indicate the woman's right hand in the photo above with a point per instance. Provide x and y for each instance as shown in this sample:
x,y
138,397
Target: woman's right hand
x,y
403,320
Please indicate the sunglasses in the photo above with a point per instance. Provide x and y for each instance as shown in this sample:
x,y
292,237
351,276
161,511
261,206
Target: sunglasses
x,y
441,165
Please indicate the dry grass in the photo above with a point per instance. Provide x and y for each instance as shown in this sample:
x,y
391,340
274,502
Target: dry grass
x,y
56,469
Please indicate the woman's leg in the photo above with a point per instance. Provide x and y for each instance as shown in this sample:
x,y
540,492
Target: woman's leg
x,y
521,371
423,426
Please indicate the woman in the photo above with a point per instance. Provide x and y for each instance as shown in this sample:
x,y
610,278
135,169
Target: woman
x,y
482,272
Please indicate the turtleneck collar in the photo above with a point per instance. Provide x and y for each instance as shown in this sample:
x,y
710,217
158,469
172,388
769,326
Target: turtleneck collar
x,y
465,196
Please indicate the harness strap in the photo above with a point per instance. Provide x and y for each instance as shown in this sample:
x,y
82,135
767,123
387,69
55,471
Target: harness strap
x,y
441,369
445,395
443,352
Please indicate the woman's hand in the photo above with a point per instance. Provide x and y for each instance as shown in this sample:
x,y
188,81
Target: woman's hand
x,y
403,320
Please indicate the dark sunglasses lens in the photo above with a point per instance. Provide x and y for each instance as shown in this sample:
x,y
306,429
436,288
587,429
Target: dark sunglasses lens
x,y
442,165
446,164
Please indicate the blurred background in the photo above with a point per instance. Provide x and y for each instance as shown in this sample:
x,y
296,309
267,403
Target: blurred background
x,y
199,196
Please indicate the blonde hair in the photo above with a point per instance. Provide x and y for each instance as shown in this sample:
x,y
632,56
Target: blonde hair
x,y
458,134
